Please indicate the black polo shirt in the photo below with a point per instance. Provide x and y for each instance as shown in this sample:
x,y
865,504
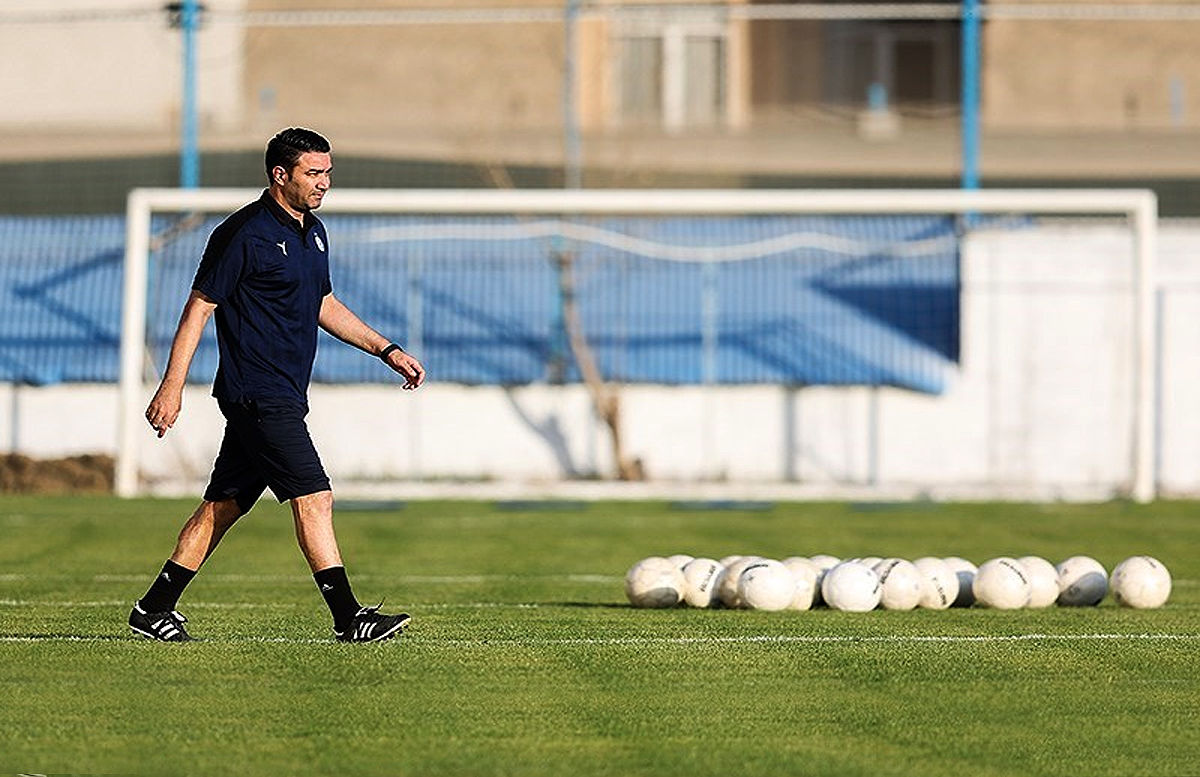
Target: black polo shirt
x,y
268,275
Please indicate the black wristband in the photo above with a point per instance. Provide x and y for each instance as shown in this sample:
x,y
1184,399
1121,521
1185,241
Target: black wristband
x,y
388,350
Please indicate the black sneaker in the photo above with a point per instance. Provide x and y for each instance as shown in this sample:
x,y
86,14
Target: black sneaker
x,y
163,626
369,625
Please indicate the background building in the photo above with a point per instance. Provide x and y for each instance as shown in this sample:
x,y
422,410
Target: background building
x,y
638,94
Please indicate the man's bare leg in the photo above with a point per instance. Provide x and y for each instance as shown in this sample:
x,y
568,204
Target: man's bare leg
x,y
313,516
203,532
154,614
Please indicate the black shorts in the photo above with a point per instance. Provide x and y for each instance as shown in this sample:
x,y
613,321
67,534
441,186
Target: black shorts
x,y
266,445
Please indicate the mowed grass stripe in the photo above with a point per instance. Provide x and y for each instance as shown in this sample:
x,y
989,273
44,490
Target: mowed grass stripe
x,y
410,579
751,639
273,605
400,579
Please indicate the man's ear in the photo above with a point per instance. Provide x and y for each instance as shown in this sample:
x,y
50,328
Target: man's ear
x,y
278,174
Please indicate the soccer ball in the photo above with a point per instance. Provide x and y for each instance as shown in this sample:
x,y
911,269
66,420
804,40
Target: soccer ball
x,y
766,585
852,587
654,582
1141,582
1002,584
965,572
727,560
807,576
900,583
701,577
1082,582
940,585
680,559
824,562
1043,579
727,590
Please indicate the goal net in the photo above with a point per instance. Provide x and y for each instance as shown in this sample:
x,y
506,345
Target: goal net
x,y
983,343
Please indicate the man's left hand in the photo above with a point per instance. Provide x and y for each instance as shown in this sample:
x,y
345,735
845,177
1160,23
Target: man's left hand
x,y
410,368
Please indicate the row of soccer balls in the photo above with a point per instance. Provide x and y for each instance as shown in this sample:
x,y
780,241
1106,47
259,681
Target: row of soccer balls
x,y
863,584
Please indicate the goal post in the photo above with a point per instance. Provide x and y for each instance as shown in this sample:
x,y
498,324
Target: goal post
x,y
1137,207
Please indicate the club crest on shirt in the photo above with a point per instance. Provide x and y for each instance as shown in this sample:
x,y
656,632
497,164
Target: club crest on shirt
x,y
319,242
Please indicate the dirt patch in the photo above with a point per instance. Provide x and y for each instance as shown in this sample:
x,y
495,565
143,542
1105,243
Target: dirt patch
x,y
88,474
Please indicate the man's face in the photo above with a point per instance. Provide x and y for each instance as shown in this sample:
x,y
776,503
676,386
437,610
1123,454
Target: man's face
x,y
304,186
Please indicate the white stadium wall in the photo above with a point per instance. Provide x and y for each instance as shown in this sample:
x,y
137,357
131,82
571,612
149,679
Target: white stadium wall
x,y
1040,407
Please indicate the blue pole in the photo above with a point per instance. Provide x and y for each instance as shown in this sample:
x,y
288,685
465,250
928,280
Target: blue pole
x,y
970,94
573,167
560,345
189,156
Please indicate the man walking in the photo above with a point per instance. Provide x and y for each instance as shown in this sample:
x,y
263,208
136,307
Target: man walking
x,y
265,275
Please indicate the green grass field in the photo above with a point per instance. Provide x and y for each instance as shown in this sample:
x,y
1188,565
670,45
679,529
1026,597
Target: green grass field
x,y
523,658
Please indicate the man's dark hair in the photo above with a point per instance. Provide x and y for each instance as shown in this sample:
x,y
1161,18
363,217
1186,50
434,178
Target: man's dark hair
x,y
284,149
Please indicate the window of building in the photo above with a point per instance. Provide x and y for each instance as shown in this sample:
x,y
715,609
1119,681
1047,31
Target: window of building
x,y
914,63
670,74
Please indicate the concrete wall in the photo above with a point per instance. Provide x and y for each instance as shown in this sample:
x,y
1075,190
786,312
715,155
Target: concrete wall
x,y
377,80
1041,406
114,75
1098,75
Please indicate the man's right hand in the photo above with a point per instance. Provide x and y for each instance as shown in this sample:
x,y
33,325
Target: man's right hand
x,y
164,408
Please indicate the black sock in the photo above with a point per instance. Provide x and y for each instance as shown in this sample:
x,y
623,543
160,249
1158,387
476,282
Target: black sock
x,y
164,593
335,587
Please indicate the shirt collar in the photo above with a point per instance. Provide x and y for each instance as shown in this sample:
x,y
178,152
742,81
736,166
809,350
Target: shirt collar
x,y
285,218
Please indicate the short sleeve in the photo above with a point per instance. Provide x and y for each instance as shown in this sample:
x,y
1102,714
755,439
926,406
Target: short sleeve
x,y
220,268
326,282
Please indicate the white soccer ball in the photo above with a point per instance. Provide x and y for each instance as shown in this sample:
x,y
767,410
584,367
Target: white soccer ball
x,y
1142,582
1002,584
806,575
680,559
1082,582
766,585
965,572
940,584
852,587
727,589
654,582
1043,579
727,560
701,577
900,583
824,562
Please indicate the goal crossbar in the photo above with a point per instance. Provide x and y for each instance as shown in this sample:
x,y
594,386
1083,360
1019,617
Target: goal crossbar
x,y
1139,206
